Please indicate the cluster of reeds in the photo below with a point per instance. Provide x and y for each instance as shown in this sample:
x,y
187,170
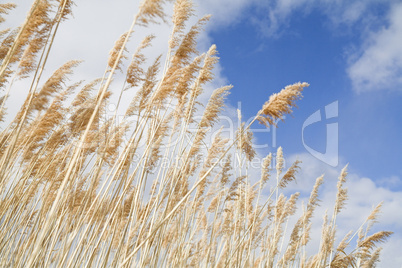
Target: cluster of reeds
x,y
79,190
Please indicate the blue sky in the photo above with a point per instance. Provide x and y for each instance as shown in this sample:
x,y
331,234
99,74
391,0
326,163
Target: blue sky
x,y
310,47
348,51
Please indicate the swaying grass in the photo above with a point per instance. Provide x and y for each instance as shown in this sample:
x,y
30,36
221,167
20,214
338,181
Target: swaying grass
x,y
74,193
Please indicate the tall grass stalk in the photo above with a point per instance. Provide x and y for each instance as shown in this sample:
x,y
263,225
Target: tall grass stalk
x,y
81,190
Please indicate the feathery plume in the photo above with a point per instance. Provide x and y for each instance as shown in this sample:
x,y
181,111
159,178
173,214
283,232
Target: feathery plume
x,y
180,59
187,47
369,243
85,93
210,60
111,148
379,237
234,188
290,174
188,74
209,117
374,258
312,204
216,149
265,169
67,8
114,53
2,108
281,104
341,259
52,85
58,201
141,99
342,194
183,9
135,71
227,167
279,160
39,23
4,9
372,218
27,63
245,143
150,10
7,42
214,106
156,140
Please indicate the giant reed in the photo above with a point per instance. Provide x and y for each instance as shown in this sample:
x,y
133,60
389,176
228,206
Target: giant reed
x,y
79,190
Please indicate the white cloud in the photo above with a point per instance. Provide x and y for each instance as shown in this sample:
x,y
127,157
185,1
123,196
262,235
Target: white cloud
x,y
108,22
363,194
277,14
224,12
390,182
380,64
90,35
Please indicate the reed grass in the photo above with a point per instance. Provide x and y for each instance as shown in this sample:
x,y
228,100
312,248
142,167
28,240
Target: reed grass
x,y
79,190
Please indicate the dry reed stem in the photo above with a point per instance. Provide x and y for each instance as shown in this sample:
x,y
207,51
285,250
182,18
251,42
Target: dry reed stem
x,y
73,193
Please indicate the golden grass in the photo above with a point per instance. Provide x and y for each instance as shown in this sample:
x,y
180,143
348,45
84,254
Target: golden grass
x,y
74,194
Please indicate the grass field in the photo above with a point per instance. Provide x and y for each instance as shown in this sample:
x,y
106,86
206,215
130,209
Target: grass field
x,y
81,190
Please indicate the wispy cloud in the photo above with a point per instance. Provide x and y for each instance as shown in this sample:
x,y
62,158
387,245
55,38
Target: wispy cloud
x,y
363,194
376,65
276,15
380,64
224,12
